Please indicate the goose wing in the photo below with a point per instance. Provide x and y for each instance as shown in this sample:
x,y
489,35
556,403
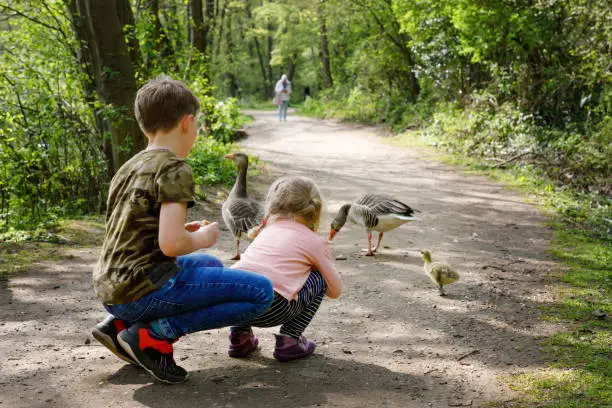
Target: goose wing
x,y
380,204
240,215
362,214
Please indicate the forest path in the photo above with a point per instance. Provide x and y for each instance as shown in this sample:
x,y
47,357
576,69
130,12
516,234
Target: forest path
x,y
389,341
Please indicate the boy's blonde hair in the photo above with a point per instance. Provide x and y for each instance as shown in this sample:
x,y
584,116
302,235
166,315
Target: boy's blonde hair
x,y
294,196
162,102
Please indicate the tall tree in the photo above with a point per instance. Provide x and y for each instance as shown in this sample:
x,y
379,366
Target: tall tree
x,y
154,43
231,75
324,52
197,27
209,23
267,91
270,48
113,69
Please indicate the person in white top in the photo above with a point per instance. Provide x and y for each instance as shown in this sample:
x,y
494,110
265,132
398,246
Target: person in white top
x,y
282,96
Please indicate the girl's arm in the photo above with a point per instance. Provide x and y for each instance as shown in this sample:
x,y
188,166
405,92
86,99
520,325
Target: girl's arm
x,y
324,263
174,239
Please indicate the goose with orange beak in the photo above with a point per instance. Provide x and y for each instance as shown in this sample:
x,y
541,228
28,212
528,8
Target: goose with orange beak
x,y
374,212
240,213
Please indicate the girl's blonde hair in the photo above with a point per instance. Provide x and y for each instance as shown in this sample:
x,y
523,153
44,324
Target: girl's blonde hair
x,y
294,196
290,197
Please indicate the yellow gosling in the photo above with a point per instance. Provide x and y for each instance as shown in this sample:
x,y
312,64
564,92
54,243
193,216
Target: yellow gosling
x,y
441,273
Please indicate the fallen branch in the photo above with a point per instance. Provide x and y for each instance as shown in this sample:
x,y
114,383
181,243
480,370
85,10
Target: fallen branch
x,y
513,158
468,354
493,267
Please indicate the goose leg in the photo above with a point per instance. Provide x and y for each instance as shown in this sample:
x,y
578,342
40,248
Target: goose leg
x,y
370,253
237,256
380,235
442,291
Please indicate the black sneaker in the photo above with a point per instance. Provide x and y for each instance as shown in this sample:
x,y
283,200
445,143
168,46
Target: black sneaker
x,y
106,333
155,356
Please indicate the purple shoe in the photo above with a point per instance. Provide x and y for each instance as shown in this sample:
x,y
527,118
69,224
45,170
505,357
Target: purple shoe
x,y
242,344
288,348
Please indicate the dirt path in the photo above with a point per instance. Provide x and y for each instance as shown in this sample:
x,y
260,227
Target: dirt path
x,y
390,341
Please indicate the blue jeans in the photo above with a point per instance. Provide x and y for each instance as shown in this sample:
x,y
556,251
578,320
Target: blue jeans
x,y
203,295
282,110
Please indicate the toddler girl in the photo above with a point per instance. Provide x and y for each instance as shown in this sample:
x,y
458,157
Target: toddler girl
x,y
288,251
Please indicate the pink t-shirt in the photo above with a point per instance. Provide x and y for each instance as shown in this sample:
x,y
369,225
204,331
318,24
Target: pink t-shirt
x,y
286,252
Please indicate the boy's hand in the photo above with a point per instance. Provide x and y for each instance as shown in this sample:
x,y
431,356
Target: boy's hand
x,y
210,234
192,226
196,225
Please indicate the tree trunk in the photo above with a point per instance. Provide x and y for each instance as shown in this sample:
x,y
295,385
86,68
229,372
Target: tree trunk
x,y
230,58
327,75
113,71
209,23
128,26
270,44
267,91
221,26
292,66
160,35
159,40
82,31
196,26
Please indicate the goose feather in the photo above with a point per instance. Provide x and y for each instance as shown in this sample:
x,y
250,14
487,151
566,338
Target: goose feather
x,y
242,214
379,212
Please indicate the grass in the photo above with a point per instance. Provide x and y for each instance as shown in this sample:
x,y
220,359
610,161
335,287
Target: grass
x,y
581,375
244,120
15,258
19,256
266,105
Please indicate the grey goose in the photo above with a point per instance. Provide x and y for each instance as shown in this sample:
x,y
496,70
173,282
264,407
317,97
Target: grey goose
x,y
375,212
241,213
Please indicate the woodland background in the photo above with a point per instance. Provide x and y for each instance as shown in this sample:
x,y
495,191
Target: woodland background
x,y
520,90
514,83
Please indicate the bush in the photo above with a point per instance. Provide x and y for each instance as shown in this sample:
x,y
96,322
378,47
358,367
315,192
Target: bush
x,y
573,163
208,163
361,105
221,118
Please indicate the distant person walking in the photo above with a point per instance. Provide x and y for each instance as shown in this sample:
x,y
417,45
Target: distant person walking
x,y
283,92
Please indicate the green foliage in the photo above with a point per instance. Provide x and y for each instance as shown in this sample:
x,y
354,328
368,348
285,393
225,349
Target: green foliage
x,y
370,108
50,158
317,108
221,118
208,163
548,57
571,159
54,129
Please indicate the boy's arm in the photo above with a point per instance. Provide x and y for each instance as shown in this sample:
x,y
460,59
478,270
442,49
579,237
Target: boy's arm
x,y
174,239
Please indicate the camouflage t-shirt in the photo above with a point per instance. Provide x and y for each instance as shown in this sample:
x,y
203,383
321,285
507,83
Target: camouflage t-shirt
x,y
131,263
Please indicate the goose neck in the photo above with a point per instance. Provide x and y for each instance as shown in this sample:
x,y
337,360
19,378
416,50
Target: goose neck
x,y
240,186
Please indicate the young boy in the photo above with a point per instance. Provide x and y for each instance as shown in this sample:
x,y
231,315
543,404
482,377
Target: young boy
x,y
155,292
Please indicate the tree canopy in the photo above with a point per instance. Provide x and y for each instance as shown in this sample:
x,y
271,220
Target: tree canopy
x,y
484,77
